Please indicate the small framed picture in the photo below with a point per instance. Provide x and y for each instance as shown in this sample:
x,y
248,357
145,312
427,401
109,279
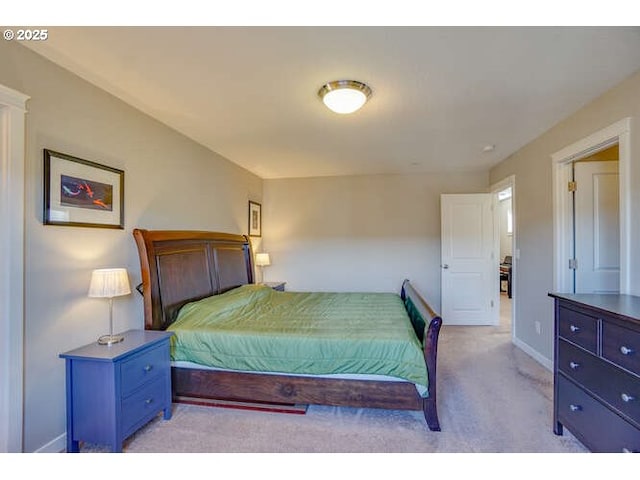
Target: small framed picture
x,y
255,219
80,193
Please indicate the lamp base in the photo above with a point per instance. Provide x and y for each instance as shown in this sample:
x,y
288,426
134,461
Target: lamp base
x,y
110,339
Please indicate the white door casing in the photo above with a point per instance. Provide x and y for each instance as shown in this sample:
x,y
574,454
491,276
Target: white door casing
x,y
469,263
12,141
597,227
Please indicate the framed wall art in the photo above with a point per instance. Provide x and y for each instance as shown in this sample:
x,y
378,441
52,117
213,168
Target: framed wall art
x,y
255,219
80,193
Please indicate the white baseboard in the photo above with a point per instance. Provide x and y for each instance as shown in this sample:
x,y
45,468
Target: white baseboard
x,y
544,361
57,445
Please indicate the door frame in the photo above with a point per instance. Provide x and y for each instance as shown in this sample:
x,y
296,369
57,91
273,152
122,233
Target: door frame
x,y
12,165
562,161
507,182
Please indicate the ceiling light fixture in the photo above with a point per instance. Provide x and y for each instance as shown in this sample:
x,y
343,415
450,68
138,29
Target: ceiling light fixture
x,y
344,96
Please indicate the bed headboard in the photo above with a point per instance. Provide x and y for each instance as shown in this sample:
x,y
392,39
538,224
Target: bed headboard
x,y
181,266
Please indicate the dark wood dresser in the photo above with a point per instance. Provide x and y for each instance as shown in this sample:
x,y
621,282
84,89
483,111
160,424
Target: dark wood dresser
x,y
597,370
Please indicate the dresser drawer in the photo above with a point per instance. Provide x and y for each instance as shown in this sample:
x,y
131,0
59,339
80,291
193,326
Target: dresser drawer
x,y
621,346
579,328
144,367
579,365
600,429
616,387
141,406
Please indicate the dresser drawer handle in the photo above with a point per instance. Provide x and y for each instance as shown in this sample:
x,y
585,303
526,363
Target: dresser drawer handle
x,y
574,365
149,401
574,329
627,398
148,368
626,350
575,408
628,450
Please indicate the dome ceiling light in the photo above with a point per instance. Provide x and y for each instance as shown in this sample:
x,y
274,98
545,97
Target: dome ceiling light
x,y
344,96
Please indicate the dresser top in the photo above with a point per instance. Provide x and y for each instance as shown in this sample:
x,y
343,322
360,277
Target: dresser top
x,y
134,340
618,304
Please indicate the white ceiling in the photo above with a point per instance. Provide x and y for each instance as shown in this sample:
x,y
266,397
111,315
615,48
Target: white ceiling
x,y
440,94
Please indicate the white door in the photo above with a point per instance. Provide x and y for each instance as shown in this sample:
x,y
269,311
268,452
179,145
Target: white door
x,y
470,267
597,227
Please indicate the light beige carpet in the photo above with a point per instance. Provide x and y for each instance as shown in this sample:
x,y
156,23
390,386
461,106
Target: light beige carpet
x,y
492,398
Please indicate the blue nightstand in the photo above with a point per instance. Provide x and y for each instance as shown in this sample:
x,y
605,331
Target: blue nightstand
x,y
114,390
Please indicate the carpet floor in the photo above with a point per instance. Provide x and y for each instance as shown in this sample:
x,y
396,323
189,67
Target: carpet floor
x,y
492,398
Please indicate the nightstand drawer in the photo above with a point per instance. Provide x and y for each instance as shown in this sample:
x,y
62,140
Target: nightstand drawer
x,y
143,367
143,405
621,346
579,328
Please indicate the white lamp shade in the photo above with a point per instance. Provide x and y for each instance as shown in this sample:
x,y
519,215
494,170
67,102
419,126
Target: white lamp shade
x,y
109,282
262,259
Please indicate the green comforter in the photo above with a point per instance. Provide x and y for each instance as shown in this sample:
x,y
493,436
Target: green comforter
x,y
256,328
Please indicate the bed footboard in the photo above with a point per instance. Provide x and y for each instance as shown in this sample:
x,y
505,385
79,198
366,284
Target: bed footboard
x,y
426,323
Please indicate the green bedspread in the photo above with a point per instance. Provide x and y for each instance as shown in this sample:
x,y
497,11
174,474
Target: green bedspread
x,y
256,328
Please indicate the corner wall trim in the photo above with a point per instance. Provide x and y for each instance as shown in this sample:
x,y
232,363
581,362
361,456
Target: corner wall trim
x,y
12,180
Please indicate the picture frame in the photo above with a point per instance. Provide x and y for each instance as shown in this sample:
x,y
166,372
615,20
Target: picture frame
x,y
255,219
81,193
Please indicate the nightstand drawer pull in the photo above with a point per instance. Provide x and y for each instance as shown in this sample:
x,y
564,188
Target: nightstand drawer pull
x,y
627,398
149,401
626,350
574,329
148,368
574,365
628,450
575,408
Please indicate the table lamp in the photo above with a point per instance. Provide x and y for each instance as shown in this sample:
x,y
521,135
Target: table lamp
x,y
109,283
262,260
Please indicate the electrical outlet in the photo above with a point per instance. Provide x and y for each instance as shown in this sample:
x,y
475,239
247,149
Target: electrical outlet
x,y
538,328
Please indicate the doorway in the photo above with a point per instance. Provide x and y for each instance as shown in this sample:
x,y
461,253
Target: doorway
x,y
596,221
562,170
504,220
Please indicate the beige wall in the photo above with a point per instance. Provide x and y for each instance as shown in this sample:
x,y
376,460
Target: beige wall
x,y
364,233
534,210
170,182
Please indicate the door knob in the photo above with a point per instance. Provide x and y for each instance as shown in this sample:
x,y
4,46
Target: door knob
x,y
445,266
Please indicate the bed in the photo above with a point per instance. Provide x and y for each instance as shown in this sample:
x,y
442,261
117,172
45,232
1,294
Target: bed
x,y
187,272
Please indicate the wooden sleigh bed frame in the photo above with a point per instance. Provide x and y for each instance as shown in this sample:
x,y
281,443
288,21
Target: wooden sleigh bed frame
x,y
181,266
